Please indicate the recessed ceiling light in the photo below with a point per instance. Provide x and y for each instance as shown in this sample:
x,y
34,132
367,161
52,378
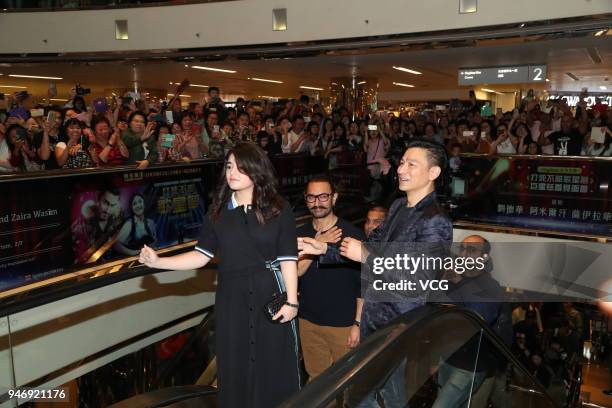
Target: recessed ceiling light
x,y
600,32
402,84
196,85
266,80
212,69
603,88
34,77
58,100
311,87
410,71
361,83
13,86
547,80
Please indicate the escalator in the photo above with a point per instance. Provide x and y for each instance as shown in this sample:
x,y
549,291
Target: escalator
x,y
413,351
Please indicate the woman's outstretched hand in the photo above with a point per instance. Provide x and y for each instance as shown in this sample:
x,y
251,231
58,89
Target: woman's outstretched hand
x,y
148,257
285,314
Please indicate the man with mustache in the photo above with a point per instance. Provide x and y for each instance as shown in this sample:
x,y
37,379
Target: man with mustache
x,y
329,286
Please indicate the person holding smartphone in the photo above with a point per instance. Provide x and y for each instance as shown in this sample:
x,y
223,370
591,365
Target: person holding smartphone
x,y
78,151
46,141
257,359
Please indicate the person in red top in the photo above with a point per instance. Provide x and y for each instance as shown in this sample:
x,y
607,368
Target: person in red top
x,y
110,148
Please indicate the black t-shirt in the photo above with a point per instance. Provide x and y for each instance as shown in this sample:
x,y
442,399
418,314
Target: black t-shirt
x,y
567,144
329,292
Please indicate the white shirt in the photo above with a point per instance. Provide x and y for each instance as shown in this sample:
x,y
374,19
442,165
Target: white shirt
x,y
292,137
5,155
506,147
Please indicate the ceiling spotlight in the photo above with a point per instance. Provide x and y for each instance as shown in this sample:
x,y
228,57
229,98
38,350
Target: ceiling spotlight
x,y
402,84
410,71
35,77
311,87
600,32
213,69
266,80
361,83
487,90
196,85
547,80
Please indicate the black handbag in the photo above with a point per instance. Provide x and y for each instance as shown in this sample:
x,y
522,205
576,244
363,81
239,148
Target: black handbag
x,y
272,306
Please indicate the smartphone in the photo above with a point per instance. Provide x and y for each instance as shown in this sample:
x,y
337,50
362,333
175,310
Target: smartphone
x,y
468,133
51,117
215,128
271,126
306,119
37,113
372,127
483,135
440,107
169,117
21,134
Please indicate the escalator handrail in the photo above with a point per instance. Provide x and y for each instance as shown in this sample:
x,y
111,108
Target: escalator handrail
x,y
49,294
342,374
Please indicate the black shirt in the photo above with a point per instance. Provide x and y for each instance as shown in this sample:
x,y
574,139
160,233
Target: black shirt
x,y
329,291
567,144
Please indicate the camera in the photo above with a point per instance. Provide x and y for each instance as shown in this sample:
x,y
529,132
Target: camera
x,y
81,91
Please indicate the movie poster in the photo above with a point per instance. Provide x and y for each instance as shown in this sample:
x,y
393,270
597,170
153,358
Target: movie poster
x,y
51,226
116,219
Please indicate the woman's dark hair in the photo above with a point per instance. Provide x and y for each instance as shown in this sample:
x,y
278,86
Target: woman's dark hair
x,y
280,119
99,119
253,162
73,122
341,126
8,131
186,114
137,113
132,200
538,148
311,125
76,99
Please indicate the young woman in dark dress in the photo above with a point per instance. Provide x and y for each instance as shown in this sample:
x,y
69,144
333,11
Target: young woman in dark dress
x,y
248,224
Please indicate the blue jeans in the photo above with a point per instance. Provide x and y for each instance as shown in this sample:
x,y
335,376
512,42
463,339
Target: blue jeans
x,y
455,386
393,391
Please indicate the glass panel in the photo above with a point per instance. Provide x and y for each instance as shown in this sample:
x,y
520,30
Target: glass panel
x,y
6,364
405,371
503,384
446,360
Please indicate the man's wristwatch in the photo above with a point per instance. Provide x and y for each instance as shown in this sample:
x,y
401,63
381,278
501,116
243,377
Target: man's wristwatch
x,y
294,305
357,323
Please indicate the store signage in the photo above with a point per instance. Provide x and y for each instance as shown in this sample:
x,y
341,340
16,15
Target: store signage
x,y
573,99
510,74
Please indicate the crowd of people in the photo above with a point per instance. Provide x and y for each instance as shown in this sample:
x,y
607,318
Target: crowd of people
x,y
129,130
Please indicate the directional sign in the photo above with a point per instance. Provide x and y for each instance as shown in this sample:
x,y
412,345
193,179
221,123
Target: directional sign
x,y
511,74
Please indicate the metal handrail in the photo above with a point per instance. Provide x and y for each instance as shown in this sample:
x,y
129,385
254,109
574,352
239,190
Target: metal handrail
x,y
343,373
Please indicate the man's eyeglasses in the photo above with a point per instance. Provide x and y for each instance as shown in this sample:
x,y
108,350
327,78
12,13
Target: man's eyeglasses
x,y
311,198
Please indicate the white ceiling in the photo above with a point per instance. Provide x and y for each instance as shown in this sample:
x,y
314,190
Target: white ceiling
x,y
439,68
